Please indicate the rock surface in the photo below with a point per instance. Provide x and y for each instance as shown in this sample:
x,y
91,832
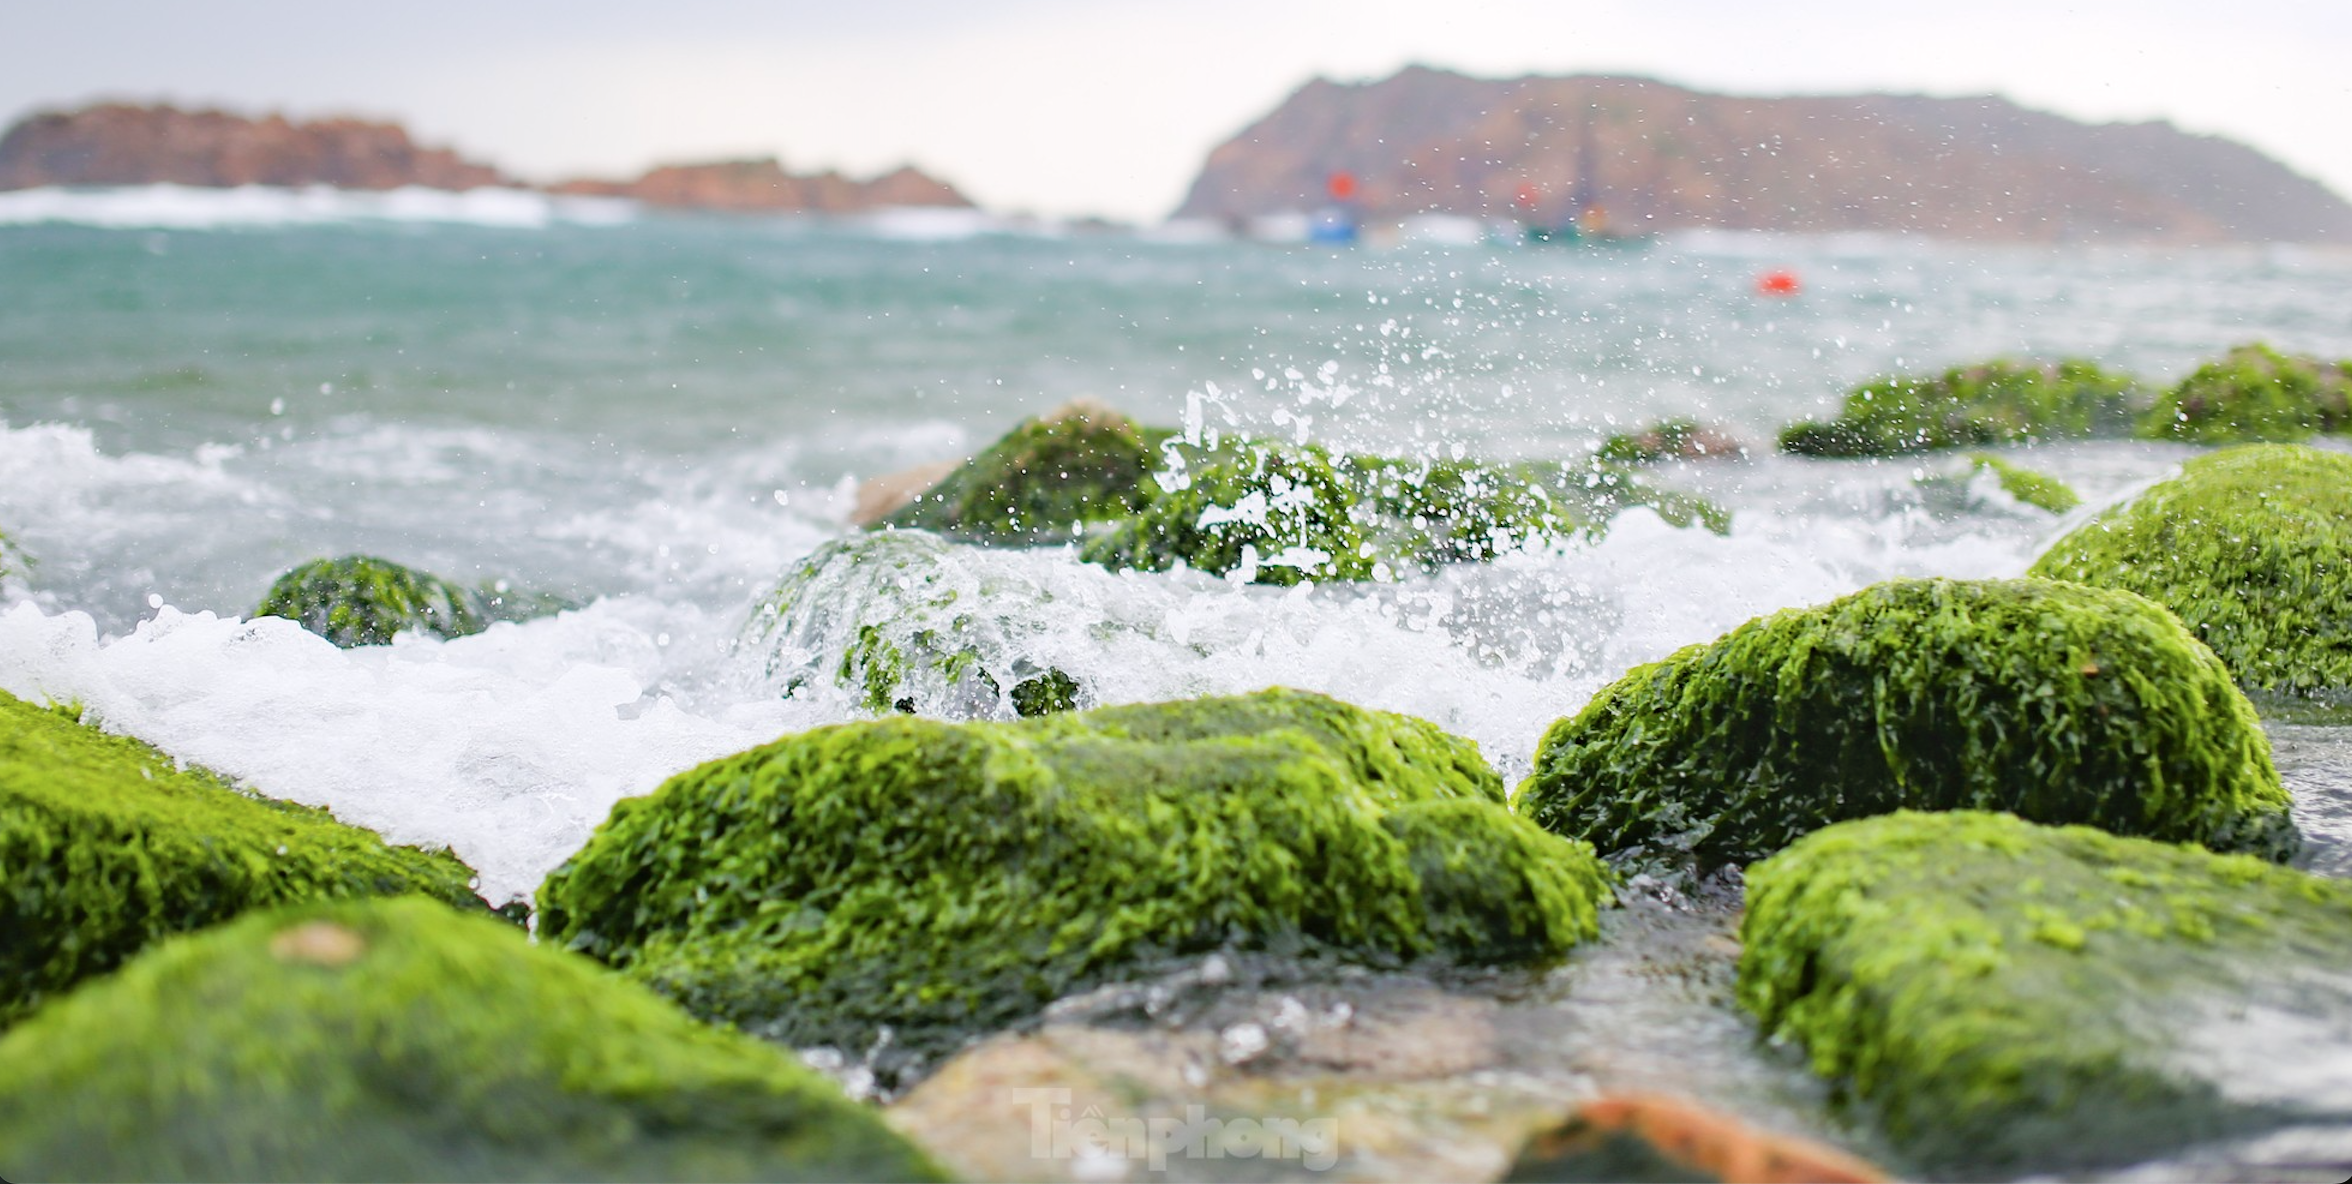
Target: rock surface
x,y
2251,547
360,600
941,881
120,144
108,846
2058,702
1998,402
2011,998
2255,393
763,186
1662,157
397,1040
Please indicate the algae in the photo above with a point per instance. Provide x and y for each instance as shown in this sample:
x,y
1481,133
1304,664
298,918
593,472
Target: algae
x,y
360,600
2254,393
106,845
1998,402
939,881
2011,998
1680,438
2058,702
2251,547
2039,490
1273,514
397,1040
1081,463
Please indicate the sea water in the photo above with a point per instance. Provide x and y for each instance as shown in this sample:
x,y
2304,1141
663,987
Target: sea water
x,y
657,417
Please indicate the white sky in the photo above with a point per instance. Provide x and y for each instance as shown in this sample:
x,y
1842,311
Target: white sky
x,y
1067,107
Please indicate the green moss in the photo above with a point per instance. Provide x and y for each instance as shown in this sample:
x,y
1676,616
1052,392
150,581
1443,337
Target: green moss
x,y
107,846
1085,463
944,880
2254,393
1280,514
1045,694
2013,998
361,600
2038,490
396,1040
2056,702
2252,548
2000,402
1667,439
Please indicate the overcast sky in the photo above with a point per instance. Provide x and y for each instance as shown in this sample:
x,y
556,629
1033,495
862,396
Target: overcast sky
x,y
1063,107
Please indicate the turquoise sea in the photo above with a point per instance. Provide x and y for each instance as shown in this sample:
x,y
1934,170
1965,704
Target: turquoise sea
x,y
657,417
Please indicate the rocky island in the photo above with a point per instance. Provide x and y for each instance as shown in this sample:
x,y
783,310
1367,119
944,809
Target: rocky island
x,y
1656,156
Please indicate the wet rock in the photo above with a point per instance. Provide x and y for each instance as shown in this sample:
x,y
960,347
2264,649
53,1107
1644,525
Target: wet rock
x,y
109,845
2251,548
2057,702
396,1039
1081,462
2254,393
1269,514
362,600
2009,998
1998,402
921,883
880,497
1670,439
1653,1138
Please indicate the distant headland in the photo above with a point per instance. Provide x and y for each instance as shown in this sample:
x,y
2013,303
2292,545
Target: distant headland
x,y
125,144
1657,156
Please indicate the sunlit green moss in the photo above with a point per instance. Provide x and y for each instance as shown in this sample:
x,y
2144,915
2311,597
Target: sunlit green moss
x,y
2252,548
2057,702
2010,998
1999,402
2038,490
106,845
397,1040
945,879
1280,514
1087,463
2254,393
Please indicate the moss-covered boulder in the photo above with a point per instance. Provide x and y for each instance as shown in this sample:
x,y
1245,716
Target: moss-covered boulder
x,y
107,845
396,1040
1275,514
2251,548
1083,462
1999,402
2039,490
362,600
943,880
2009,998
2254,393
1680,438
2053,701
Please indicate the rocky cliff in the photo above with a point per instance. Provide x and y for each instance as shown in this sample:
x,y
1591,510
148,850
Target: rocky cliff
x,y
763,186
118,144
1657,156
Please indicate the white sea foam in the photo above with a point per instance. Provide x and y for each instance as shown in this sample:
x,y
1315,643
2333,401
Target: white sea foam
x,y
188,207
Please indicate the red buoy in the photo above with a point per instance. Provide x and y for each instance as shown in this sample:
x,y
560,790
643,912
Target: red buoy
x,y
1342,185
1777,283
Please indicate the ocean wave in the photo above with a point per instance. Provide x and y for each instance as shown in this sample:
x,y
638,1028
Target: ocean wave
x,y
188,207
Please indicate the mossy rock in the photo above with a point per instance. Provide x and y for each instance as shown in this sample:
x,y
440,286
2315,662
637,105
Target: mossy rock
x,y
362,600
2252,548
2057,702
14,565
1081,463
1277,514
2254,393
905,621
945,880
107,845
2039,490
1999,402
397,1040
1668,439
2009,998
